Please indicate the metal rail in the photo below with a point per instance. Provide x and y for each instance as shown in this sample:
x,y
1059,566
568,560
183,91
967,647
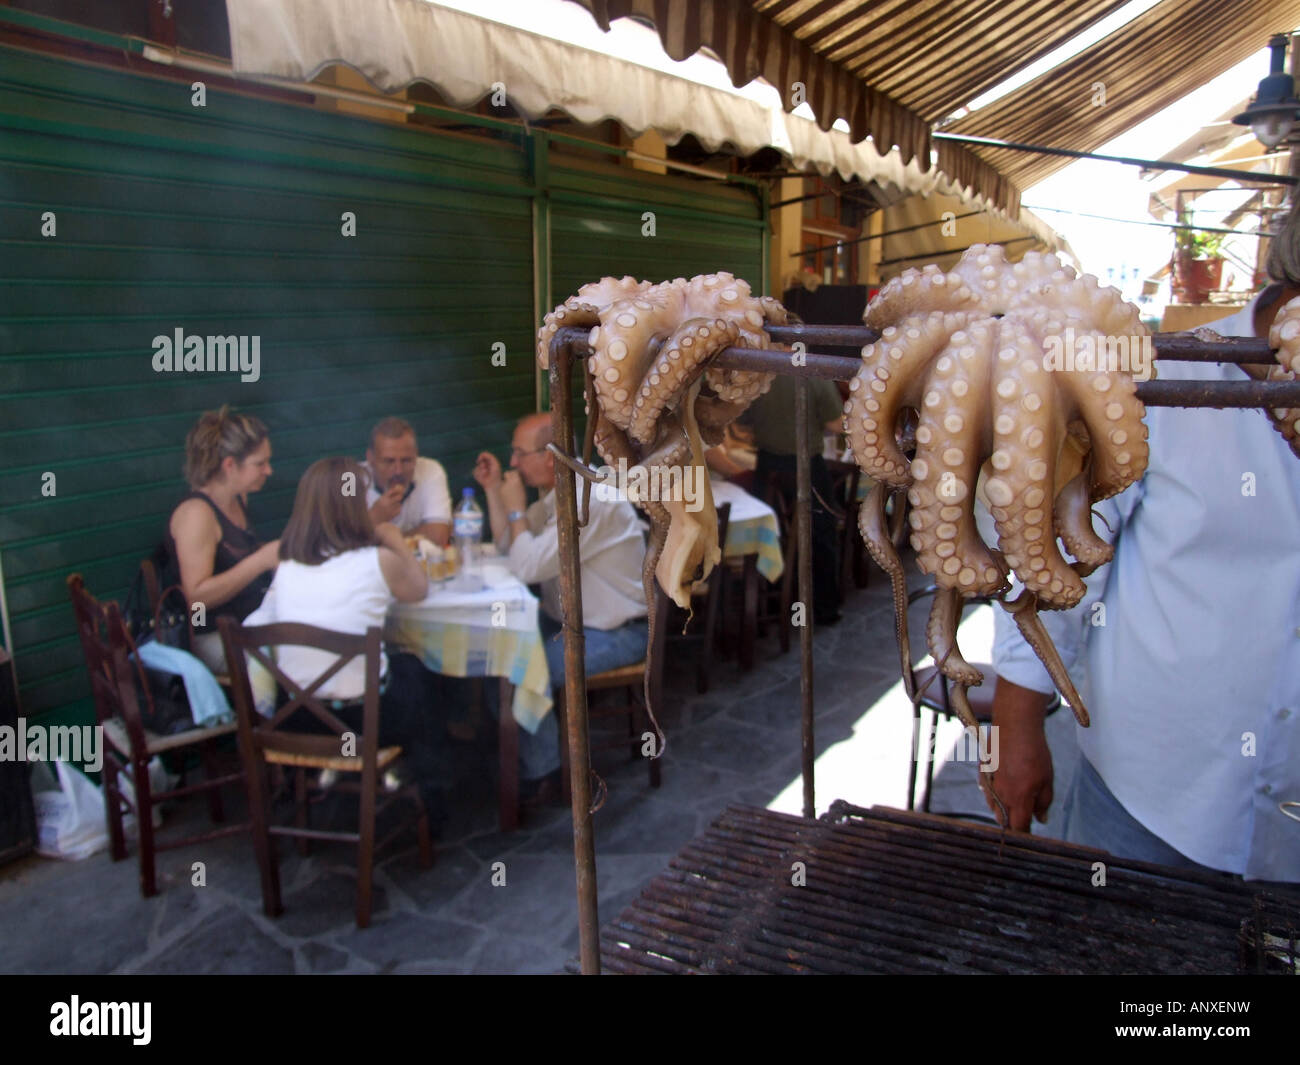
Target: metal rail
x,y
571,343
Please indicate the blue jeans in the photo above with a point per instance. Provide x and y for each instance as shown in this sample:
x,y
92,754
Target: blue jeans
x,y
1095,818
539,752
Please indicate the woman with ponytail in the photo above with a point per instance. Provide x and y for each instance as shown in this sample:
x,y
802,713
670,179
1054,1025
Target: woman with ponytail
x,y
222,563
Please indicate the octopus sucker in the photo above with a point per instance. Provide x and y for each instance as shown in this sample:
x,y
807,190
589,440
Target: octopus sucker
x,y
976,355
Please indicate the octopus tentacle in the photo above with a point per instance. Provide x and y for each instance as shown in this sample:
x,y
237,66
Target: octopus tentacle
x,y
1072,516
1025,419
1024,608
675,370
946,466
919,291
876,396
1285,336
941,638
874,528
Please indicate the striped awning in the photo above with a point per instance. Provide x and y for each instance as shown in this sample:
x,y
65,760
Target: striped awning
x,y
1143,67
892,69
888,68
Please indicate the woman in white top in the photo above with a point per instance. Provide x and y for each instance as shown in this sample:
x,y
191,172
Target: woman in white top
x,y
338,571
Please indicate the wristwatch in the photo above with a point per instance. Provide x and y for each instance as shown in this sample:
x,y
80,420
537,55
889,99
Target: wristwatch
x,y
515,515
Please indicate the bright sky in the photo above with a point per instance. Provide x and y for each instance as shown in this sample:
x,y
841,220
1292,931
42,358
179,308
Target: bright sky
x,y
1118,253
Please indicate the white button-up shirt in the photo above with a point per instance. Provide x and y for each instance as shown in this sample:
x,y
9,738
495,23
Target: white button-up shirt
x,y
1187,646
612,549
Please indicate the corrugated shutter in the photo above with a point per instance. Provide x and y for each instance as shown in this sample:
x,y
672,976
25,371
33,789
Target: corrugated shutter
x,y
598,228
226,220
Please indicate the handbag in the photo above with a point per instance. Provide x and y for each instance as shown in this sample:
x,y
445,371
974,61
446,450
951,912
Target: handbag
x,y
168,621
164,706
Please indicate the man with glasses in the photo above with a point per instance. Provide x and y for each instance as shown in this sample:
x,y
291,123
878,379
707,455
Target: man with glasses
x,y
406,489
612,551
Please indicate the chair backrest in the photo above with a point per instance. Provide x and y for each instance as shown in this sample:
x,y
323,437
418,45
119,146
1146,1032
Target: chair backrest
x,y
152,586
724,520
261,734
107,649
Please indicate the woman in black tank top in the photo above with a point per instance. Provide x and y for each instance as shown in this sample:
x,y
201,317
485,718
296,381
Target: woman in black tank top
x,y
220,560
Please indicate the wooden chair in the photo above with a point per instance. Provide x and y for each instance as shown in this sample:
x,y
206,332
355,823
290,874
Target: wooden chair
x,y
130,747
264,742
631,680
706,594
854,572
936,699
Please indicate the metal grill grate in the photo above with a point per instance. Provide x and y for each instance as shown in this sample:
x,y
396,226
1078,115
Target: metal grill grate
x,y
891,892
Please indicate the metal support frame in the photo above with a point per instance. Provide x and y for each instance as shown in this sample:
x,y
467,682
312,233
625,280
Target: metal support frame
x,y
570,343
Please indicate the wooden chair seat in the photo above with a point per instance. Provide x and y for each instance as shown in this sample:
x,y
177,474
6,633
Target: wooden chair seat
x,y
115,731
617,678
385,757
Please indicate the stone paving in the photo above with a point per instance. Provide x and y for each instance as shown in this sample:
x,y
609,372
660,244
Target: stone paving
x,y
737,743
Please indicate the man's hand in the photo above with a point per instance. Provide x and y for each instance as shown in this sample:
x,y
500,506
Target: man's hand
x,y
513,494
388,505
1023,779
487,471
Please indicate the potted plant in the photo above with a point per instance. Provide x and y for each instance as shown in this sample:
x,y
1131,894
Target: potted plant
x,y
1198,262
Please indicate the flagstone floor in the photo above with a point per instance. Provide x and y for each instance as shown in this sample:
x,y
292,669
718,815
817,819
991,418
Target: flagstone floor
x,y
737,743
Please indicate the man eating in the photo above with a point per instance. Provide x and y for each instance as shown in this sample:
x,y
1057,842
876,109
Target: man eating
x,y
406,489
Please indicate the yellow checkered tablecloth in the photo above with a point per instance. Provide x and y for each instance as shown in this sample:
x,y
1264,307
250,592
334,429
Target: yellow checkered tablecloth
x,y
751,530
492,633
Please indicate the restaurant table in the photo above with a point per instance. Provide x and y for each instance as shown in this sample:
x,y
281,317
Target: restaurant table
x,y
488,633
752,530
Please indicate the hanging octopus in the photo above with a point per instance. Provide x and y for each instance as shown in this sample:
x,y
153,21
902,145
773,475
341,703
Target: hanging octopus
x,y
972,354
655,403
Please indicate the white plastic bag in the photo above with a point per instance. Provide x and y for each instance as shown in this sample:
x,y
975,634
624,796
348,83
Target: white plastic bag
x,y
69,816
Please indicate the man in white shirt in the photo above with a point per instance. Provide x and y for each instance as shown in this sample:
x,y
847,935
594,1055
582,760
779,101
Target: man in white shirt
x,y
612,552
1191,666
405,489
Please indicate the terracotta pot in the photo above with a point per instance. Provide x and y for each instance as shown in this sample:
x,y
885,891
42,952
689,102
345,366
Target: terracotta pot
x,y
1195,279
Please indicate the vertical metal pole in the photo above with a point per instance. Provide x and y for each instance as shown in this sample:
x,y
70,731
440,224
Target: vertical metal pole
x,y
575,676
539,156
803,522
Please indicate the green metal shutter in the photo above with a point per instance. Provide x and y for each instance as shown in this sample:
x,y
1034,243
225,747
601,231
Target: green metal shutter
x,y
225,220
599,229
700,226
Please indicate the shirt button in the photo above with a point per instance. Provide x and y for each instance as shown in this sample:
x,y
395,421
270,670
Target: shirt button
x,y
1267,789
1283,714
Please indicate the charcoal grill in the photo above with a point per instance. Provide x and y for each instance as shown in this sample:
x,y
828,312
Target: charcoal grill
x,y
884,891
1013,933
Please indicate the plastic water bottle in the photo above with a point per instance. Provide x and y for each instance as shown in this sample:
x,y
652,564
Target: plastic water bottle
x,y
467,530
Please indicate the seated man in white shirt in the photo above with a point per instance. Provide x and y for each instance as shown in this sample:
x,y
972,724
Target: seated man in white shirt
x,y
405,489
612,551
1191,668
